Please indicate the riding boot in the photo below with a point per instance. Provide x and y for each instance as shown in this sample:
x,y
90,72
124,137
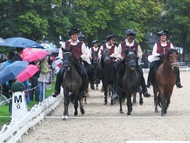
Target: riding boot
x,y
83,74
91,78
119,76
151,74
90,70
144,89
143,85
178,81
59,79
149,78
83,87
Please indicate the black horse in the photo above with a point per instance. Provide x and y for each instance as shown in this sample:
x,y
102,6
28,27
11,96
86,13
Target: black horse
x,y
130,82
108,74
71,84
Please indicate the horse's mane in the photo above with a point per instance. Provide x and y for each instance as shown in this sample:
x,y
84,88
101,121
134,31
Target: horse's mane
x,y
102,60
171,51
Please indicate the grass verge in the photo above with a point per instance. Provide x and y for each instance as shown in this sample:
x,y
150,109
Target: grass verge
x,y
4,110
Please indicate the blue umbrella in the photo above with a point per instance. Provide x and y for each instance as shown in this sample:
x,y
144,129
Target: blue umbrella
x,y
11,71
20,42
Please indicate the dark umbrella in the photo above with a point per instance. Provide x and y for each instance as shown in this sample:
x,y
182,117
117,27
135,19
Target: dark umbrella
x,y
11,71
20,42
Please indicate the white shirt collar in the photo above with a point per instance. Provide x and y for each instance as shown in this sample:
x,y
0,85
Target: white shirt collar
x,y
129,44
73,43
108,46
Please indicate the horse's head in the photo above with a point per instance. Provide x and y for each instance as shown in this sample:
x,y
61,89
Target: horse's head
x,y
106,56
67,60
131,59
172,58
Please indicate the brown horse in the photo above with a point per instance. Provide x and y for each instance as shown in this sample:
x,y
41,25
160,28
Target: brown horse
x,y
165,80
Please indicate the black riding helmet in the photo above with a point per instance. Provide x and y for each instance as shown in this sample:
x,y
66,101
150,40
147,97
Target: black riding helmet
x,y
73,31
95,42
130,32
163,32
81,37
109,37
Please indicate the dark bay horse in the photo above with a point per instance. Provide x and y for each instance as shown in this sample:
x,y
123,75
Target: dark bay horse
x,y
166,76
71,84
130,82
108,74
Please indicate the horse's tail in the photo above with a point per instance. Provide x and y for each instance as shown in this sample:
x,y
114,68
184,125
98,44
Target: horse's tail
x,y
158,100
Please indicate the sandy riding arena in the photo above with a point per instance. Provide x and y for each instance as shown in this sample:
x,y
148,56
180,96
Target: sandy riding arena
x,y
104,124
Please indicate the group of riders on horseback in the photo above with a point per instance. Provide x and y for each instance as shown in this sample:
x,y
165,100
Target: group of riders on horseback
x,y
88,60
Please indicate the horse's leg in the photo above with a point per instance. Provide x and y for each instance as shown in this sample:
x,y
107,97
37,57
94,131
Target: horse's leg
x,y
66,105
140,98
105,94
81,106
134,97
167,104
112,96
121,94
76,104
96,86
129,104
164,104
155,99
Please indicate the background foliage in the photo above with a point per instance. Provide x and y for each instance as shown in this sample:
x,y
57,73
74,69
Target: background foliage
x,y
48,19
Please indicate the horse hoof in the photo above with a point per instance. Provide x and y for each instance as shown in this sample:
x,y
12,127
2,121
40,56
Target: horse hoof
x,y
82,111
64,118
121,112
76,113
163,114
105,103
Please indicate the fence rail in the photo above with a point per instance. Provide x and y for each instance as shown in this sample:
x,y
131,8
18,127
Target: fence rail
x,y
13,132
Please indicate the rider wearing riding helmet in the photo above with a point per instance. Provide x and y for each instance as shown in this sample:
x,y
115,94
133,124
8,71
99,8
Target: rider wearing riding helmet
x,y
160,49
109,44
80,52
129,43
94,50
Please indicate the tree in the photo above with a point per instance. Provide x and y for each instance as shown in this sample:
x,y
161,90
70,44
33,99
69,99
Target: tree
x,y
176,19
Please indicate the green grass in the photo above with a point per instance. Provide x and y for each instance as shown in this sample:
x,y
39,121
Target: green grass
x,y
4,110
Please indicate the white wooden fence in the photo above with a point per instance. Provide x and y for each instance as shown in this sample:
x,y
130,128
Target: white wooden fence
x,y
12,133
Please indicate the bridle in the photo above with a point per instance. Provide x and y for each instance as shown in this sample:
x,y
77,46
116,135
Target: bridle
x,y
167,61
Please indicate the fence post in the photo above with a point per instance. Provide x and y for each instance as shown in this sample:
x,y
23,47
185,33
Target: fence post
x,y
19,107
